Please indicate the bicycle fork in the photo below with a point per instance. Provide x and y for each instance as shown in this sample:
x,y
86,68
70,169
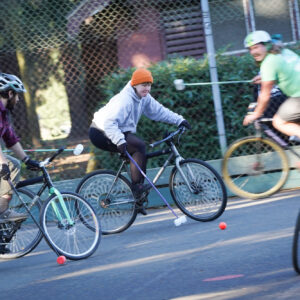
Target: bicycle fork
x,y
178,159
55,191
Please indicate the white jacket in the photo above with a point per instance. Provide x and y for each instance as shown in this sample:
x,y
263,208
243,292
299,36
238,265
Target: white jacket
x,y
123,112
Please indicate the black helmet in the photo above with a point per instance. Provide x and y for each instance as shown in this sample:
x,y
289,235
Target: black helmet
x,y
11,82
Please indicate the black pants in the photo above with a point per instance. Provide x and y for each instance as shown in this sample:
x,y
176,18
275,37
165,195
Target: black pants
x,y
135,146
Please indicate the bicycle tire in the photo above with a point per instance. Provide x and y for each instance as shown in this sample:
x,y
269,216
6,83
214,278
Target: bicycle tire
x,y
209,199
115,215
77,240
28,236
255,167
296,246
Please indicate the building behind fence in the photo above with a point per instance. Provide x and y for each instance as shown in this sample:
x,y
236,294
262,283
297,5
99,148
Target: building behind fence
x,y
63,49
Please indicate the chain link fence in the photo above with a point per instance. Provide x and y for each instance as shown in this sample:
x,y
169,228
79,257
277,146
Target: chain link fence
x,y
65,51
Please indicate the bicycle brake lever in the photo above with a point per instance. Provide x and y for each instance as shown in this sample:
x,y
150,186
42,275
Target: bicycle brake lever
x,y
179,135
45,162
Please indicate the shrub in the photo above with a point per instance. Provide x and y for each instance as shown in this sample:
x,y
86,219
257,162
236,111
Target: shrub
x,y
195,103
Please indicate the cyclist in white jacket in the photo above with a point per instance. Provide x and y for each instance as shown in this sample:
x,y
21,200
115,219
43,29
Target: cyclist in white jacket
x,y
114,125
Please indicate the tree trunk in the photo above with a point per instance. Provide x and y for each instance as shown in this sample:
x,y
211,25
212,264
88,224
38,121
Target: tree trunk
x,y
74,82
33,131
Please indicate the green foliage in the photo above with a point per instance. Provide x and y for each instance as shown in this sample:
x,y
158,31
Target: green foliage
x,y
195,103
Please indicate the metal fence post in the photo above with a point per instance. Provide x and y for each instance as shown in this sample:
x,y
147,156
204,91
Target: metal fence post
x,y
214,74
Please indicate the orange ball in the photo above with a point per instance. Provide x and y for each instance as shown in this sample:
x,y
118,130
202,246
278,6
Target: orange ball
x,y
222,225
61,260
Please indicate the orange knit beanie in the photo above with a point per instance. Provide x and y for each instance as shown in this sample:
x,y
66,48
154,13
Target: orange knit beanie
x,y
141,76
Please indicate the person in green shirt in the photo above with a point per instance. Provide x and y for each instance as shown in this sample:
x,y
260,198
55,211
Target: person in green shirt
x,y
276,67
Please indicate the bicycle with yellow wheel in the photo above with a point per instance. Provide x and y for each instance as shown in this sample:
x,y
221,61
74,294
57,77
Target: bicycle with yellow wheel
x,y
257,166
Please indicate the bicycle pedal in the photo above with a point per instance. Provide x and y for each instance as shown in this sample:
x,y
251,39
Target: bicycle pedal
x,y
105,203
142,202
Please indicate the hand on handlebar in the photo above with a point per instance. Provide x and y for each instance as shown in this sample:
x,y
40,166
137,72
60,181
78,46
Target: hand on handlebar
x,y
32,165
185,124
122,148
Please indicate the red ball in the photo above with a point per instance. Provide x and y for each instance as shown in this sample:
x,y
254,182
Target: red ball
x,y
222,225
61,260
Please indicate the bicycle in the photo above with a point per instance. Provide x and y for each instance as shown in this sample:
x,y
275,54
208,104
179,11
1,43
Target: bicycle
x,y
68,222
296,246
196,188
257,166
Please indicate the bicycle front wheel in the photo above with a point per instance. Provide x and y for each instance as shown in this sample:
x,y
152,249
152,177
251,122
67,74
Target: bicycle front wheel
x,y
112,199
296,246
255,167
71,226
198,191
20,238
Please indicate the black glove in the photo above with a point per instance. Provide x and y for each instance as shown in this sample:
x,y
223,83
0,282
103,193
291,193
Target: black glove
x,y
185,124
32,165
122,148
5,172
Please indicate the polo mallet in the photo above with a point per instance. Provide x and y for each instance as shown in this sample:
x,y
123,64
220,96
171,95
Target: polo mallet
x,y
77,150
180,84
179,220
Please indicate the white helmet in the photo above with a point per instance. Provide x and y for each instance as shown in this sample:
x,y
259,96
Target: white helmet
x,y
11,82
256,37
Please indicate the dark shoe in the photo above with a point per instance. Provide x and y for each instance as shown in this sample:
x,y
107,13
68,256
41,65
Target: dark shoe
x,y
141,206
142,210
4,250
11,215
140,190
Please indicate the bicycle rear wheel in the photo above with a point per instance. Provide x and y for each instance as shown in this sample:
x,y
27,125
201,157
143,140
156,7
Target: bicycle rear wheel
x,y
255,167
208,198
116,209
296,246
20,238
75,231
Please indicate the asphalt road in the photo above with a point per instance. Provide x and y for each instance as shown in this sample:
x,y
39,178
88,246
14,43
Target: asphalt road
x,y
153,259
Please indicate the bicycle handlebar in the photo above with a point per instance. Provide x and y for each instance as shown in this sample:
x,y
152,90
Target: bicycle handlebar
x,y
48,160
43,165
263,120
169,137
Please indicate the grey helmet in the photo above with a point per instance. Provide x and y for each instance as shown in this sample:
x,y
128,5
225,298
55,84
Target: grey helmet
x,y
11,82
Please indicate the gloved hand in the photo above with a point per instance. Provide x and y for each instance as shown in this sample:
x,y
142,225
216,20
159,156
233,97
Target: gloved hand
x,y
122,148
185,124
32,165
5,172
